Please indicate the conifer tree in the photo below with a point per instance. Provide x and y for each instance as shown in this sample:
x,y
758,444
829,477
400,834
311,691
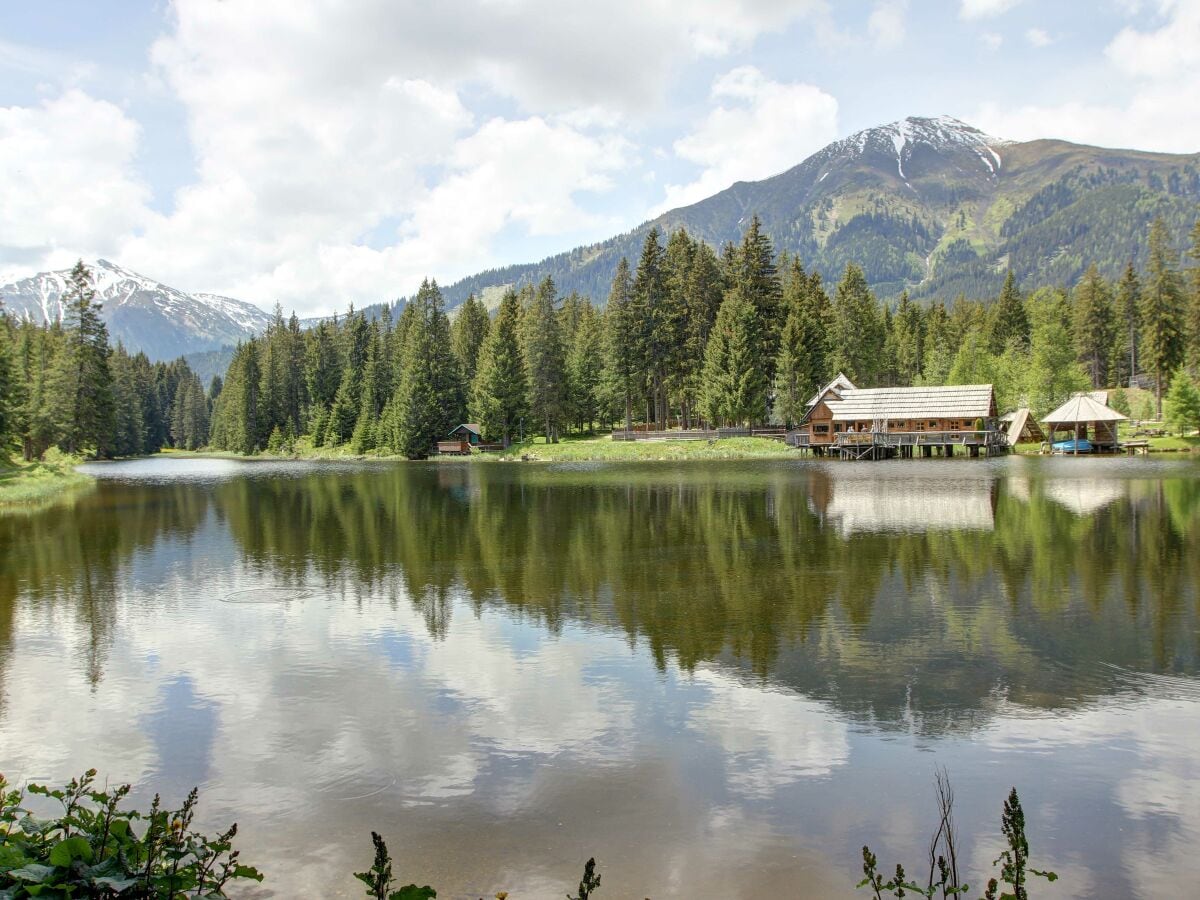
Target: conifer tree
x,y
755,274
468,331
734,384
939,349
1009,321
10,399
322,376
800,365
649,301
858,332
545,363
1128,304
498,400
584,364
82,390
1183,403
129,407
623,372
235,418
343,414
908,341
428,401
1094,325
704,290
36,423
1162,342
1192,315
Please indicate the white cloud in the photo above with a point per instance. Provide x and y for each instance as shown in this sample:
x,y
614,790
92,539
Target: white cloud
x,y
983,9
337,157
757,128
886,25
1159,69
68,187
1038,37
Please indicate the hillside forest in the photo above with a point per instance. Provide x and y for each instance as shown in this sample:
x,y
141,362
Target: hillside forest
x,y
687,337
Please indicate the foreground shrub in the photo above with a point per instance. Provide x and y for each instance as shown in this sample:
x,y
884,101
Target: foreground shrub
x,y
96,849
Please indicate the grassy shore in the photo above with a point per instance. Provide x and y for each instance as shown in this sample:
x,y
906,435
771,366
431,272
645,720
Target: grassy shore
x,y
605,448
24,485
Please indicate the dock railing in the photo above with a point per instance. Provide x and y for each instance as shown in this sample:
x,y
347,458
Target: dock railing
x,y
985,438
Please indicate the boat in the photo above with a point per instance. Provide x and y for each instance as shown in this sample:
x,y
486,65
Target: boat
x,y
1075,445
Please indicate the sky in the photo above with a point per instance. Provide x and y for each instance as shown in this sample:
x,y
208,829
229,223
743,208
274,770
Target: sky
x,y
325,152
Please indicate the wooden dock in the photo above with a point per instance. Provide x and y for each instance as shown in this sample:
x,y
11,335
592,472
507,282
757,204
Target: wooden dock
x,y
903,444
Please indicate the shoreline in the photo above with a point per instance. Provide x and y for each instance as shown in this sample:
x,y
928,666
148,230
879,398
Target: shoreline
x,y
25,486
602,449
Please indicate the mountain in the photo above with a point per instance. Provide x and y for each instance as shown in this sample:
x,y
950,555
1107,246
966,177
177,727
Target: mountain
x,y
142,313
929,205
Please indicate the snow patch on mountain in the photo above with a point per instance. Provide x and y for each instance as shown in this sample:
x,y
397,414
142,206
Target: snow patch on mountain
x,y
901,139
146,315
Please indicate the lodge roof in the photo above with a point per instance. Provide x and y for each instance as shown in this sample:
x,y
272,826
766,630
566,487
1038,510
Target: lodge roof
x,y
839,383
469,426
1083,408
971,401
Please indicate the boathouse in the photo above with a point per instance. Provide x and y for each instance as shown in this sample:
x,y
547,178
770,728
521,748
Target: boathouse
x,y
1090,423
879,423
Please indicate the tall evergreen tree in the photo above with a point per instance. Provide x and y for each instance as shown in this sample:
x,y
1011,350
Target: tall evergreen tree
x,y
498,399
545,363
1009,321
909,341
1095,319
735,385
800,364
622,343
649,298
468,331
1192,315
858,330
704,289
10,398
1128,304
428,401
757,278
82,391
1162,312
584,364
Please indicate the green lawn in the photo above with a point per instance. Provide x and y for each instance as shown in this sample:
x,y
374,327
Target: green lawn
x,y
605,448
23,485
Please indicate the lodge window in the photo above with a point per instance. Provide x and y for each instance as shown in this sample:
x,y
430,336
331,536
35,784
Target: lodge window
x,y
837,429
954,425
821,429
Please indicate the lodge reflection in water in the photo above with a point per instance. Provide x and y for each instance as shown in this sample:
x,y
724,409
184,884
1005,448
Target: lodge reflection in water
x,y
836,583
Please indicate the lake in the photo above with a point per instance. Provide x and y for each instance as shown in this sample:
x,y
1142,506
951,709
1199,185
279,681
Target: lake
x,y
720,679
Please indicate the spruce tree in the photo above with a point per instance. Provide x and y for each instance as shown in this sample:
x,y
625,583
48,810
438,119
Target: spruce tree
x,y
1094,320
1162,311
858,329
1183,403
622,358
939,349
649,301
909,341
1128,305
758,280
734,385
800,364
545,363
584,363
82,390
429,398
322,376
498,400
1009,322
1192,315
10,398
704,290
468,331
343,414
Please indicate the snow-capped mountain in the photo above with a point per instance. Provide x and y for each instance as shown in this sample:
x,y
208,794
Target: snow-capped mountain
x,y
928,205
142,313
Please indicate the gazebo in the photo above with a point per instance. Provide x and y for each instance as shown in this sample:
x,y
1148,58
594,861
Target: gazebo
x,y
1080,412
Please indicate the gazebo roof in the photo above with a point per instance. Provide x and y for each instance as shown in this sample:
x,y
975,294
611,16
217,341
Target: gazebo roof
x,y
1083,408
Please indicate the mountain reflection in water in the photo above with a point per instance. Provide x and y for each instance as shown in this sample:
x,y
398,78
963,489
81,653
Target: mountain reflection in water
x,y
718,678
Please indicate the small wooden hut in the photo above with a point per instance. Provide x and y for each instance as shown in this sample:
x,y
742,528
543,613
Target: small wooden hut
x,y
1086,419
468,432
1022,427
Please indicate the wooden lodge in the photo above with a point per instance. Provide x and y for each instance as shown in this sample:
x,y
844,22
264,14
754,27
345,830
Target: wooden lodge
x,y
460,440
883,423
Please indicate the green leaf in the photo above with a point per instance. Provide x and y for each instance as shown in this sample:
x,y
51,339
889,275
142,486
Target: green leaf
x,y
34,873
412,892
247,872
66,852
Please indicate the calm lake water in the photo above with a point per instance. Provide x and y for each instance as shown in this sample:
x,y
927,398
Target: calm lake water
x,y
719,679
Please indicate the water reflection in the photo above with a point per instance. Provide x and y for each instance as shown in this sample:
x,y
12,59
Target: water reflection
x,y
704,673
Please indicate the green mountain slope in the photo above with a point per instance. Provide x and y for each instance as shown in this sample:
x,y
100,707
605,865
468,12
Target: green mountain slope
x,y
933,206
